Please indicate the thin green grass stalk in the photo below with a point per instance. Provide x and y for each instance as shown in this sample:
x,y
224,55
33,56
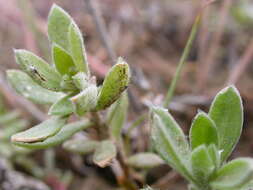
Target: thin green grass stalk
x,y
182,61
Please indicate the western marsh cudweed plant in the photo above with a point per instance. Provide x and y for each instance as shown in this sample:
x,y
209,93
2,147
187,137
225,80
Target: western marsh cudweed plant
x,y
69,88
213,136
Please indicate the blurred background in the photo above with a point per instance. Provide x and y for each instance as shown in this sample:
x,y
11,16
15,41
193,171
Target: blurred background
x,y
150,35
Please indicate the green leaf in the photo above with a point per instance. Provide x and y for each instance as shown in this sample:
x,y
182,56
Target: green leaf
x,y
38,69
234,174
65,133
117,115
77,48
58,26
203,131
202,165
214,155
63,61
170,141
116,81
104,153
227,113
86,100
40,132
81,146
25,86
144,160
62,107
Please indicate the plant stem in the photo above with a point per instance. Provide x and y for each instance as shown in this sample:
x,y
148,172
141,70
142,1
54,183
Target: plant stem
x,y
182,61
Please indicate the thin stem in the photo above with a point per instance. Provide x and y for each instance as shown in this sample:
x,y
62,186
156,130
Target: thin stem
x,y
182,61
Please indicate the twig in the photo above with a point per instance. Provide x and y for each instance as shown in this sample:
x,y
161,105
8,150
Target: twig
x,y
167,180
182,61
243,62
16,100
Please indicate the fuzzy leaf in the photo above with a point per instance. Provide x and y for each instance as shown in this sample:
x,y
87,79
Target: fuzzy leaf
x,y
40,132
170,141
81,80
203,131
116,81
63,61
214,155
38,69
117,115
62,107
227,113
58,26
81,146
65,133
104,153
77,48
85,101
145,160
202,164
25,86
234,174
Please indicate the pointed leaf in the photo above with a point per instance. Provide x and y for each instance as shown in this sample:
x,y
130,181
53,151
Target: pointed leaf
x,y
38,69
117,115
25,86
170,141
58,26
81,146
77,48
86,100
203,131
63,61
234,174
116,81
65,133
227,113
62,107
40,132
104,153
202,164
144,160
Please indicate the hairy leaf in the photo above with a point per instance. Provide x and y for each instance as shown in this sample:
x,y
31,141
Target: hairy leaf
x,y
25,86
170,141
62,107
202,164
77,48
58,26
144,160
227,113
234,174
104,153
117,115
38,69
86,100
81,146
65,133
62,60
40,132
203,131
116,81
